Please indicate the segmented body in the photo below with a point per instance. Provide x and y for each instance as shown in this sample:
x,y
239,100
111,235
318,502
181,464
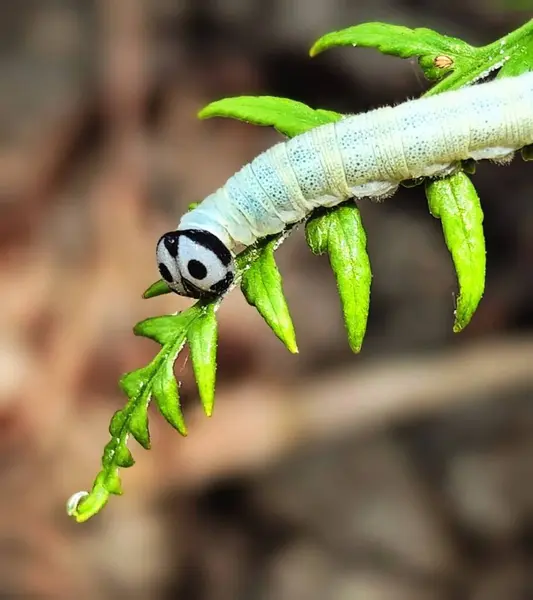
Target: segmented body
x,y
367,155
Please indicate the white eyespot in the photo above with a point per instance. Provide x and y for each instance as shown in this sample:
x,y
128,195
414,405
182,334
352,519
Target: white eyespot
x,y
200,266
167,263
194,263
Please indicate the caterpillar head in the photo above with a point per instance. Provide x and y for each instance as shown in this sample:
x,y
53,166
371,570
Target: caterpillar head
x,y
195,263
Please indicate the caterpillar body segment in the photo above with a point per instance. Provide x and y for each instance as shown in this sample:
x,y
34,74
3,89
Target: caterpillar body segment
x,y
365,155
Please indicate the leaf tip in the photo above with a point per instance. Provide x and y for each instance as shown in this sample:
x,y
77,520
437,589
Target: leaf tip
x,y
318,47
180,427
292,347
159,288
314,50
356,347
205,112
460,323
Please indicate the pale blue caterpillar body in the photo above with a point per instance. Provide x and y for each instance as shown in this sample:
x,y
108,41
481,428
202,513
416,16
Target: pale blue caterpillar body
x,y
360,156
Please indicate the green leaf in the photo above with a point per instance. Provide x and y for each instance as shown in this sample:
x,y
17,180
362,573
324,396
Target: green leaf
x,y
117,422
138,422
437,54
455,202
262,287
202,338
158,288
163,329
156,379
520,60
166,395
340,233
288,117
124,458
114,484
133,384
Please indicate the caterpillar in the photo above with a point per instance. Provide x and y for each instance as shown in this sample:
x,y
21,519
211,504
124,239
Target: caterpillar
x,y
360,156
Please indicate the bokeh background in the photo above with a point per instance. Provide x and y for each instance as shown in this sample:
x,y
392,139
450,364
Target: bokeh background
x,y
404,473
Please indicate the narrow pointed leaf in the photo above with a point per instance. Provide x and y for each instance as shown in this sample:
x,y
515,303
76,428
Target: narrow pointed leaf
x,y
202,337
166,395
339,232
437,53
166,329
288,117
262,287
455,202
138,421
158,288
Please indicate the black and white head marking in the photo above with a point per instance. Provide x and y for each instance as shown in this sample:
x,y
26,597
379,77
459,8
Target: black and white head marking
x,y
195,263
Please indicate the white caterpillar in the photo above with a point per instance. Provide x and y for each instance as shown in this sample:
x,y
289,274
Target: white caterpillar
x,y
361,156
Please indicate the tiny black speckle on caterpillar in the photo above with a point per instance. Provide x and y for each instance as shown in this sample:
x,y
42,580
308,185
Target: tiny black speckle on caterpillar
x,y
361,156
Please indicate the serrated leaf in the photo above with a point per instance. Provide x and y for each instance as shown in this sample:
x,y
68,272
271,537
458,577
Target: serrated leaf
x,y
138,422
164,329
289,117
262,287
455,202
166,394
202,337
339,232
437,53
158,288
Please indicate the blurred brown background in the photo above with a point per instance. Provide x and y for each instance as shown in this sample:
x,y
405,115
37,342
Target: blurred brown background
x,y
405,473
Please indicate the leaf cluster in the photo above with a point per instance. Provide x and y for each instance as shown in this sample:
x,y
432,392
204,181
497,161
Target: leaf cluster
x,y
339,233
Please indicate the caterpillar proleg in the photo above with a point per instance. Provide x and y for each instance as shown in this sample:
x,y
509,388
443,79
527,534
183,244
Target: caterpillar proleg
x,y
361,156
